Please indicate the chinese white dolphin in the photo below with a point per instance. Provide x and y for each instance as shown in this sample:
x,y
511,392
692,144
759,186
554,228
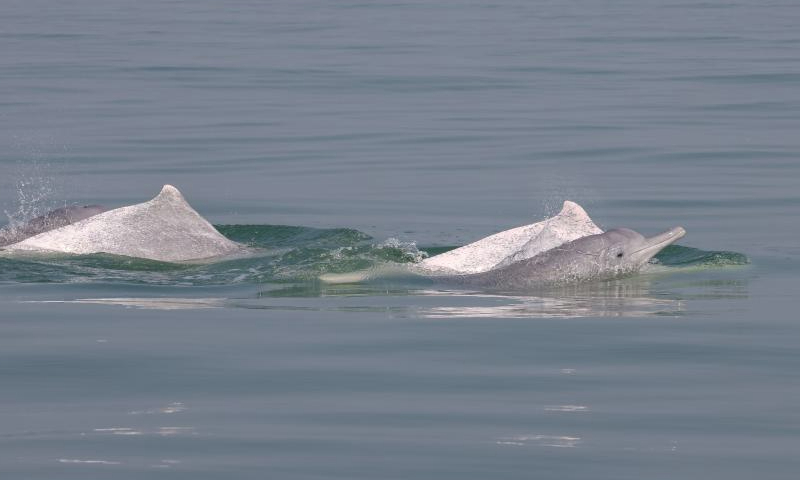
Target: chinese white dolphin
x,y
616,253
165,228
515,244
566,248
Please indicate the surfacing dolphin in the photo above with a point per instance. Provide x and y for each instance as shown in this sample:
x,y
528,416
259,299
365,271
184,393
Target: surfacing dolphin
x,y
165,228
515,244
566,248
616,253
49,221
498,249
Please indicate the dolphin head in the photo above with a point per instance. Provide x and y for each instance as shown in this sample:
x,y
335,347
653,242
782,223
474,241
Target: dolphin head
x,y
623,250
604,256
611,254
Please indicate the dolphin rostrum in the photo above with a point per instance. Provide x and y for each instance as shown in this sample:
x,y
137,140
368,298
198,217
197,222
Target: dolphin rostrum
x,y
604,256
49,221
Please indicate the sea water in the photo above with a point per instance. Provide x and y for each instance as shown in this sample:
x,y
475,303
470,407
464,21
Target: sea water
x,y
337,136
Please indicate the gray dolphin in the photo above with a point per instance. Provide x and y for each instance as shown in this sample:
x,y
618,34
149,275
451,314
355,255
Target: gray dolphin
x,y
604,256
49,221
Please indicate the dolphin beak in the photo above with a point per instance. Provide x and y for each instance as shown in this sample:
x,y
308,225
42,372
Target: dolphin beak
x,y
656,243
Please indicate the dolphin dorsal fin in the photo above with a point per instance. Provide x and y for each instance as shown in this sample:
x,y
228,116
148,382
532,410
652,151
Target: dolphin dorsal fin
x,y
168,192
572,209
515,244
164,228
571,223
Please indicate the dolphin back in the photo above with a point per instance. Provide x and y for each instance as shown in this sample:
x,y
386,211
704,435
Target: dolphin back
x,y
51,220
165,228
554,267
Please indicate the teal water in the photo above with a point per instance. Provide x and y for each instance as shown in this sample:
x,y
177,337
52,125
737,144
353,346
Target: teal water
x,y
338,136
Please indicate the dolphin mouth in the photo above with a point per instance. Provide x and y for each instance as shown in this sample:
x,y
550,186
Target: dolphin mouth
x,y
658,242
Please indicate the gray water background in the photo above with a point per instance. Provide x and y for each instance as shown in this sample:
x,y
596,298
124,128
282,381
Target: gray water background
x,y
435,123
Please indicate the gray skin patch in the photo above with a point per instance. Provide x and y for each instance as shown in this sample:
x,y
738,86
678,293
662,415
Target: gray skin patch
x,y
612,254
49,221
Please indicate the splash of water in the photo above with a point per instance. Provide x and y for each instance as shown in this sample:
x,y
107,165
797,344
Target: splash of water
x,y
34,182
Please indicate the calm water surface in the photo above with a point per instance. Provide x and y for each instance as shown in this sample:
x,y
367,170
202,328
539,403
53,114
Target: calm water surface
x,y
338,135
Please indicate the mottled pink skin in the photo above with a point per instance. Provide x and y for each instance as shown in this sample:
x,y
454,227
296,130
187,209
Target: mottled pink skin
x,y
49,221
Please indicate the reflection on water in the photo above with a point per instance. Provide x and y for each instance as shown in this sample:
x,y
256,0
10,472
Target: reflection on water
x,y
560,441
640,296
88,462
566,408
174,407
157,303
654,294
563,307
158,431
630,297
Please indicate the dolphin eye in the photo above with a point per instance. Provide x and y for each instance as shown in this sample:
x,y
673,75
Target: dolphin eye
x,y
619,255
